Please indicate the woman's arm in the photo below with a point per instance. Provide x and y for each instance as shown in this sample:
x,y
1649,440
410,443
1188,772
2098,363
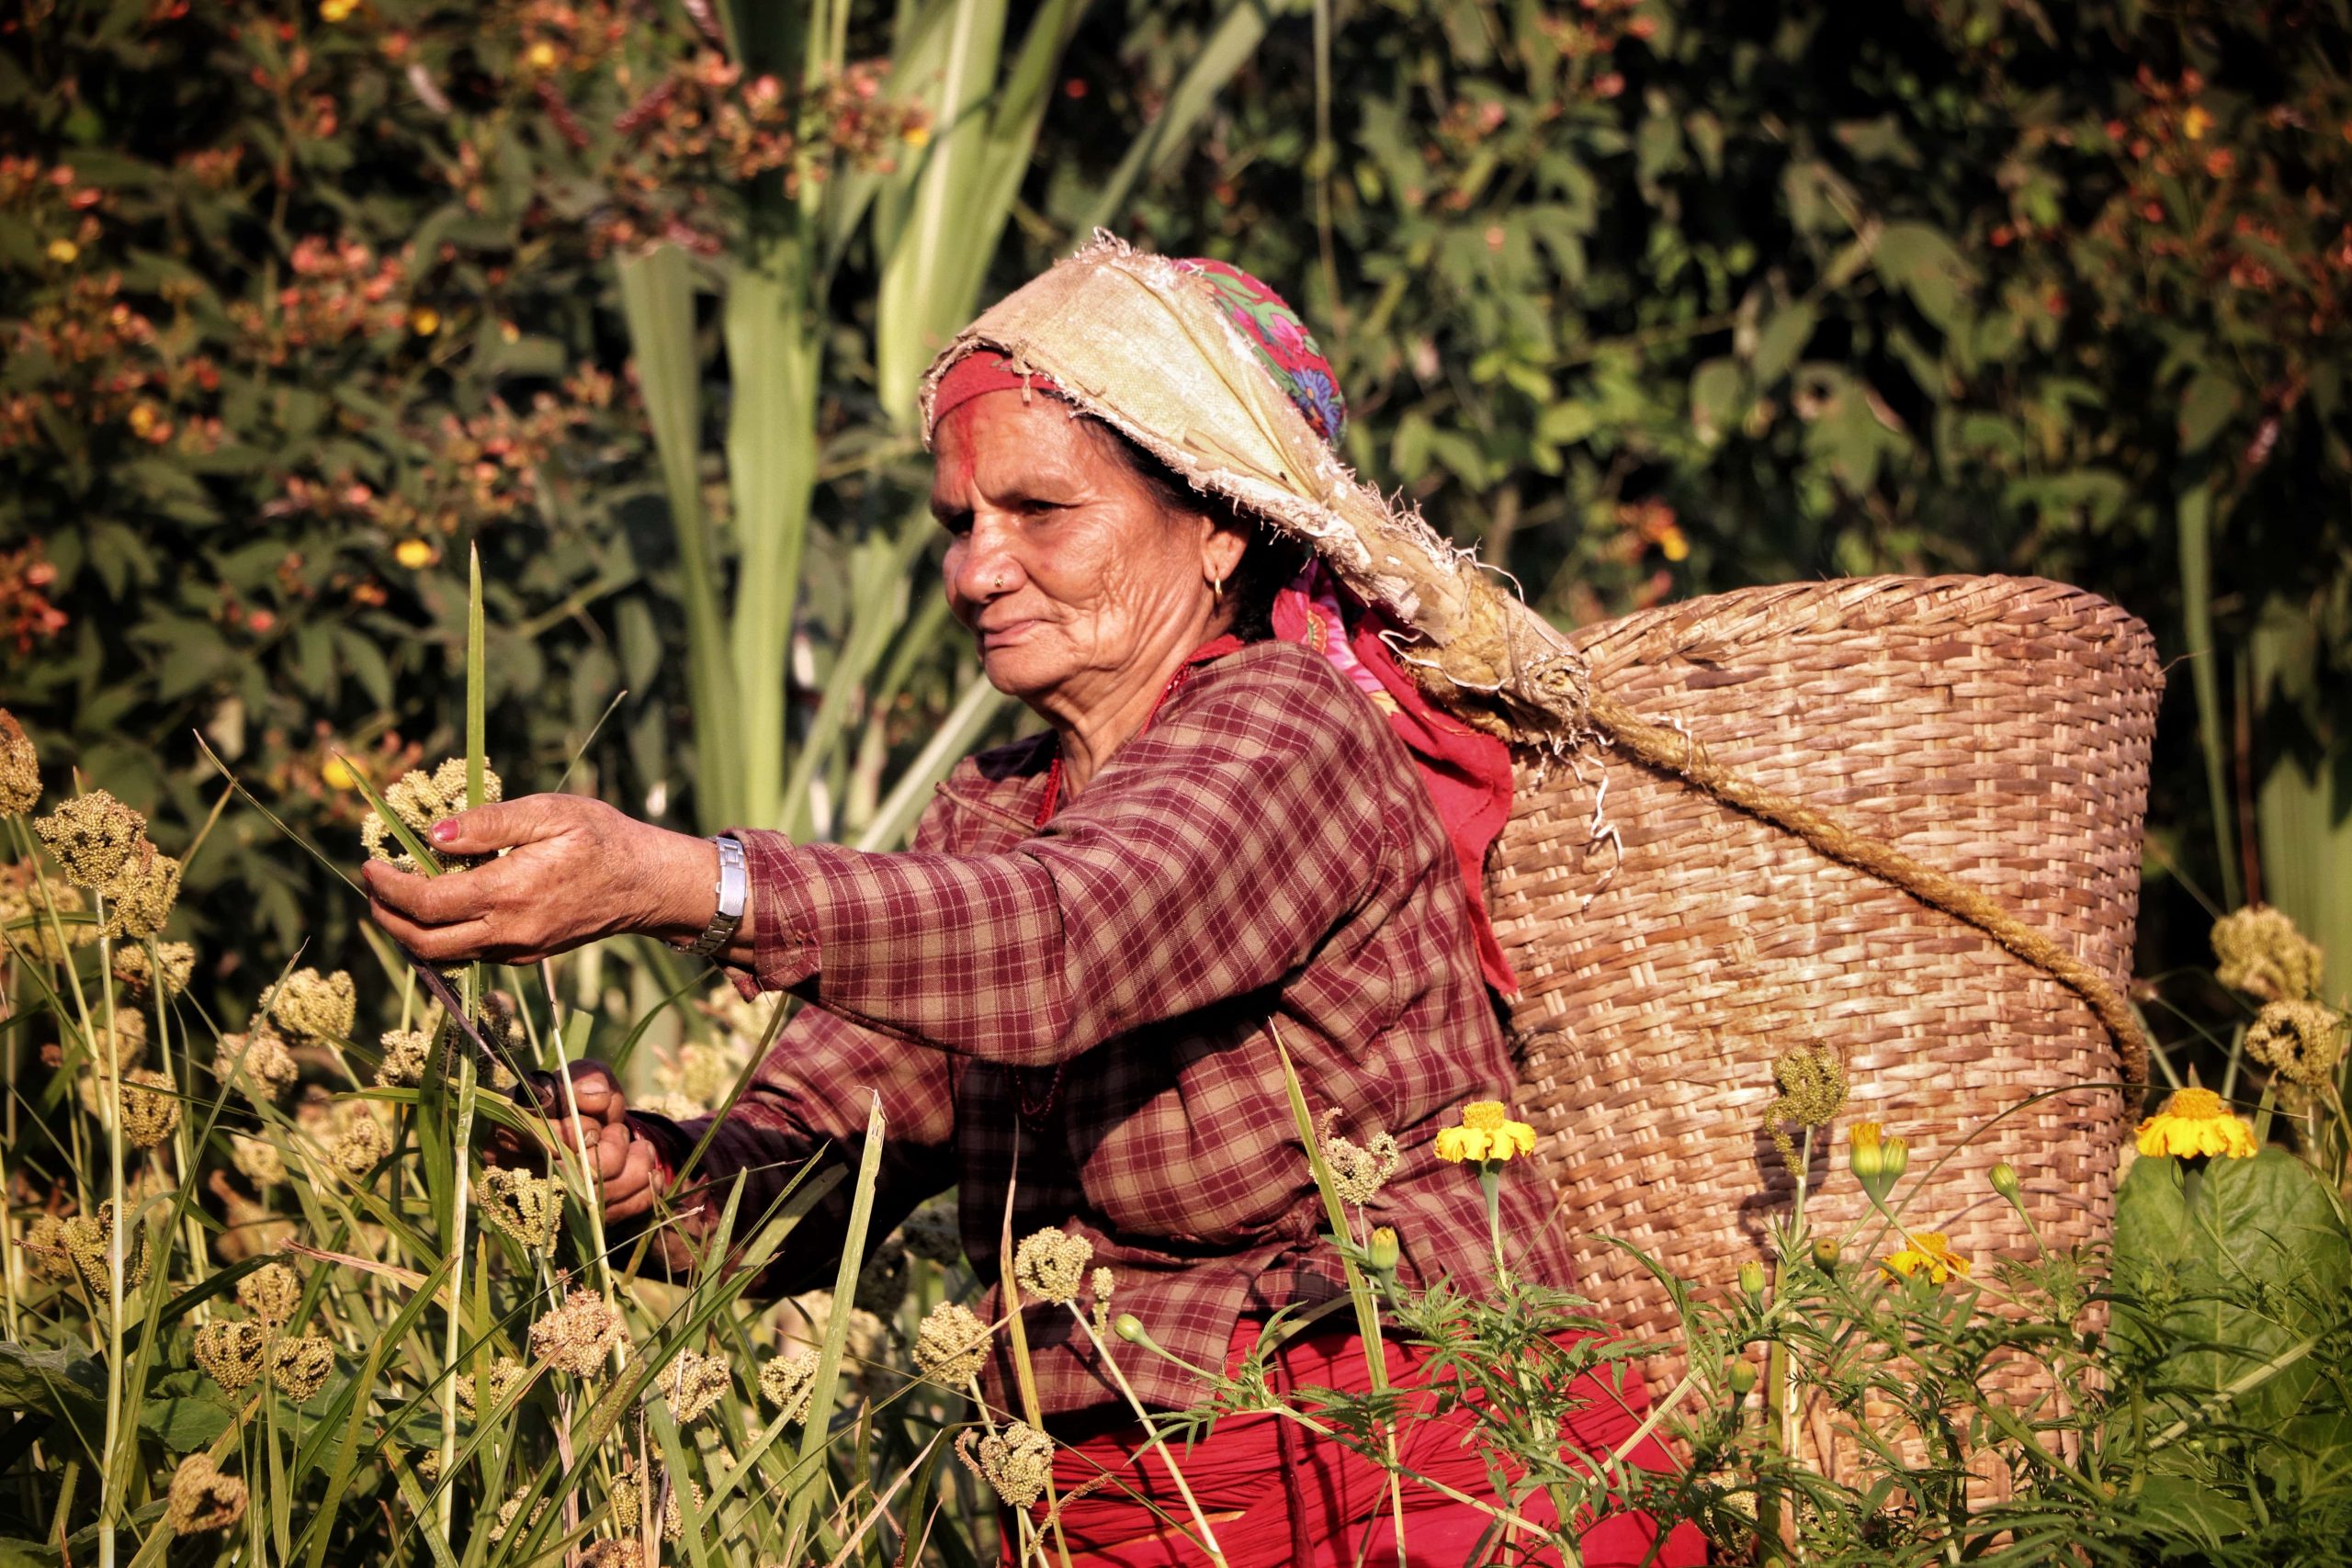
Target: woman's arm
x,y
1219,851
575,871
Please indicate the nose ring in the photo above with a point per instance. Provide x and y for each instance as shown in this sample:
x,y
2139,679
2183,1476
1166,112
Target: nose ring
x,y
998,582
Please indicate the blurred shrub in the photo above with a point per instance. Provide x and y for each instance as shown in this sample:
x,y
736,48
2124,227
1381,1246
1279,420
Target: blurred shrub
x,y
1644,299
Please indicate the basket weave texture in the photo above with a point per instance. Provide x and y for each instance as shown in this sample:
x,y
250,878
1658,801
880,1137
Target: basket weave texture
x,y
1997,728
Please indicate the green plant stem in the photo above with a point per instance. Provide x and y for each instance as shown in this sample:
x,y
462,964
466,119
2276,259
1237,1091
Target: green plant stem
x,y
1175,1472
453,1343
109,1066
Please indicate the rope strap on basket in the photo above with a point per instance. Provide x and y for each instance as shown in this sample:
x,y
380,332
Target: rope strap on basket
x,y
1678,753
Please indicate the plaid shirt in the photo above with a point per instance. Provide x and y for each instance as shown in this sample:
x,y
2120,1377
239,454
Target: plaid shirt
x,y
1085,1006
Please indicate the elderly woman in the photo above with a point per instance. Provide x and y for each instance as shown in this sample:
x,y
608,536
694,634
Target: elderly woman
x,y
1240,817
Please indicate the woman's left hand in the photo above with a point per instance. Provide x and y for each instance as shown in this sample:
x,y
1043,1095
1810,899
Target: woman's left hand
x,y
576,870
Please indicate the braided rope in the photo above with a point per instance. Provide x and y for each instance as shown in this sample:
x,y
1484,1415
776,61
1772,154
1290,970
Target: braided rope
x,y
1678,753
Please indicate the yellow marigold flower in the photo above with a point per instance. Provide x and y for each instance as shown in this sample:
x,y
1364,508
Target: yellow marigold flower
x,y
337,10
916,135
63,251
1929,1252
415,554
2196,122
2195,1122
336,774
1486,1134
425,320
542,56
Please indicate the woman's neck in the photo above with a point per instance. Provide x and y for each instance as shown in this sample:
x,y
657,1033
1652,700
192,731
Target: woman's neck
x,y
1087,733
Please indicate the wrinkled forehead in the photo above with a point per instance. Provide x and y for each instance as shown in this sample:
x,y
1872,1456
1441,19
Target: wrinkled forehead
x,y
1011,443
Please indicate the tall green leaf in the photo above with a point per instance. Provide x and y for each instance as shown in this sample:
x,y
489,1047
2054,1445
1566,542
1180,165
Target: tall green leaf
x,y
656,298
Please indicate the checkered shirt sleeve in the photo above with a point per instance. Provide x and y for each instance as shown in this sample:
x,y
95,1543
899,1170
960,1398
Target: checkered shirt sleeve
x,y
1206,861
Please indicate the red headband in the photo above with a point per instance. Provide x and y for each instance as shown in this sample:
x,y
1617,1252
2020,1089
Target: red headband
x,y
976,375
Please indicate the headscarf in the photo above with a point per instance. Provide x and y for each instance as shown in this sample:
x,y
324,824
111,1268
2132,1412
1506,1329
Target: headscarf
x,y
1466,771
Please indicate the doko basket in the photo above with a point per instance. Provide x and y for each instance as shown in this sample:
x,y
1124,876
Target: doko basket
x,y
1670,947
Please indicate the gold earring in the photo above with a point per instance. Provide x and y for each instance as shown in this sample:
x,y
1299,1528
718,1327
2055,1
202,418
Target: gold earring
x,y
1217,588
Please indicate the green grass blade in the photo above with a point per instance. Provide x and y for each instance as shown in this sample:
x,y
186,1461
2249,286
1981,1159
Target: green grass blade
x,y
2196,523
916,307
828,1358
656,300
400,830
477,675
776,359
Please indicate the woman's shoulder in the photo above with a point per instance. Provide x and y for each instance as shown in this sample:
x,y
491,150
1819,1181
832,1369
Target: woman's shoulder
x,y
1276,683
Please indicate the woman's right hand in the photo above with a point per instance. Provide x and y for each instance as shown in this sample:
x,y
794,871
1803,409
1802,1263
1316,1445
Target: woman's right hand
x,y
624,1164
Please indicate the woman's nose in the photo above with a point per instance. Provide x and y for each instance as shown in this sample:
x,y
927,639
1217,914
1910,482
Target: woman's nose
x,y
986,568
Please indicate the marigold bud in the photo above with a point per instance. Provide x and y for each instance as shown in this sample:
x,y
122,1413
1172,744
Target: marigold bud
x,y
1741,1378
1383,1252
1825,1254
2003,1177
1897,1154
1129,1327
1751,1281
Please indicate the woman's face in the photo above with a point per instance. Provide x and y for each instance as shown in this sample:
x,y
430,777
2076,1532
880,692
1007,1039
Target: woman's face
x,y
1078,585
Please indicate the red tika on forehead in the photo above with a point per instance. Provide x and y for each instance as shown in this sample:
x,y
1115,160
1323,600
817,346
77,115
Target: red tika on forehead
x,y
972,378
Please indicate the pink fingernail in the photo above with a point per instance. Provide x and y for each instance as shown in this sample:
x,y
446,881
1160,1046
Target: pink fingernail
x,y
444,832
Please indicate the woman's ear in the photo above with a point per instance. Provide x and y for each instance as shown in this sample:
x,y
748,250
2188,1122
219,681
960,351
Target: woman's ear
x,y
1222,550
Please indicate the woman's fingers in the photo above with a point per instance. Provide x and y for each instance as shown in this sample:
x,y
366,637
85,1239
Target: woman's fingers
x,y
629,1191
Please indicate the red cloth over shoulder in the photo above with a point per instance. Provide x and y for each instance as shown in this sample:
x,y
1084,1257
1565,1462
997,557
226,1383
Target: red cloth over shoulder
x,y
1466,771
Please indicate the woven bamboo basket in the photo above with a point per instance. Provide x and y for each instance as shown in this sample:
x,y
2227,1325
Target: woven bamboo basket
x,y
1670,947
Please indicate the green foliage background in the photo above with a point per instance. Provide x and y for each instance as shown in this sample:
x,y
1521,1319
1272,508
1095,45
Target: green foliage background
x,y
1647,300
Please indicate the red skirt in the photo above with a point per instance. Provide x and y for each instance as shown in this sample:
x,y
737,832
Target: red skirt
x,y
1276,1494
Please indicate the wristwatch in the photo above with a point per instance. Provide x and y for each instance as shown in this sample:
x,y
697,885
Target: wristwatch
x,y
734,888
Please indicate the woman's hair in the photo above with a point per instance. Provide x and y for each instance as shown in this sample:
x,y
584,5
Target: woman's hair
x,y
1269,562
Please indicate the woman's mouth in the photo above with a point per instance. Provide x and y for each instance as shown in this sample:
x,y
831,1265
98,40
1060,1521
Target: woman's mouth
x,y
1003,635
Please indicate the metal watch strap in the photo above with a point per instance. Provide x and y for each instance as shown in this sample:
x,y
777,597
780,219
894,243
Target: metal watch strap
x,y
734,891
